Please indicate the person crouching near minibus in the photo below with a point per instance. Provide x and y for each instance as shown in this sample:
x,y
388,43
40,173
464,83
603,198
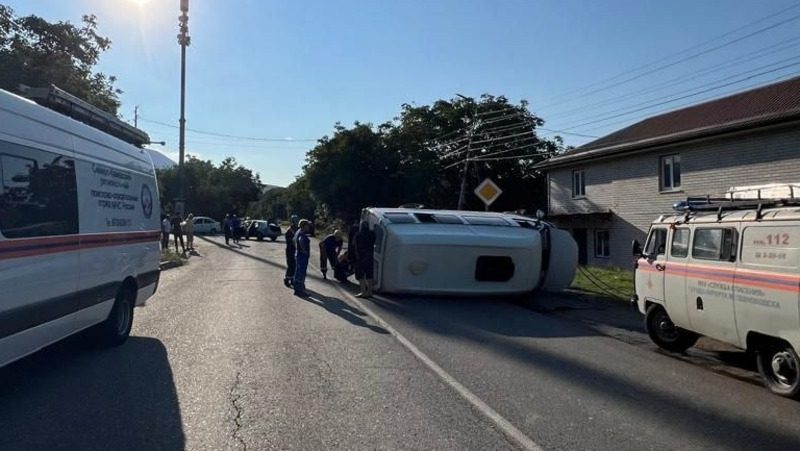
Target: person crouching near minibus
x,y
329,249
302,255
365,244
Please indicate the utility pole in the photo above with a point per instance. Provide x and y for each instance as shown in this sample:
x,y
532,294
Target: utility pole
x,y
473,124
183,40
136,116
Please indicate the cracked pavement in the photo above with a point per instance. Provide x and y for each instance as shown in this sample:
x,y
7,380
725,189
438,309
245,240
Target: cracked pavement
x,y
224,357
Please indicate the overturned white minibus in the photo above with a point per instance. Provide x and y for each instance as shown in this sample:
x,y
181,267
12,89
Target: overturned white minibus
x,y
467,252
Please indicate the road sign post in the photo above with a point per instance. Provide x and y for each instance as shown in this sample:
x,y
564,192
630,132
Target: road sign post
x,y
488,192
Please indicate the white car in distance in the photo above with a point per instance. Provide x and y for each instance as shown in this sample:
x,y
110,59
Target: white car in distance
x,y
206,225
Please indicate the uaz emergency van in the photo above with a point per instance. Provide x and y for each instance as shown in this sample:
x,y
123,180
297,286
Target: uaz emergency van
x,y
79,222
728,268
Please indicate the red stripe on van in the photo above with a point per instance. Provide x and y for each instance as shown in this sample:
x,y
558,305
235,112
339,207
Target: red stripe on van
x,y
32,247
746,277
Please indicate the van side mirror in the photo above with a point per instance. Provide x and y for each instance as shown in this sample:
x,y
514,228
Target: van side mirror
x,y
636,248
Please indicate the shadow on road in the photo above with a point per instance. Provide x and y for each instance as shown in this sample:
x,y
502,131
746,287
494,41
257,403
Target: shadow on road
x,y
74,396
496,328
343,310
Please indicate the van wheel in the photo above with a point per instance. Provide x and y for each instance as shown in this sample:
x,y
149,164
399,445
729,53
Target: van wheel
x,y
273,238
779,366
117,327
213,232
664,333
260,236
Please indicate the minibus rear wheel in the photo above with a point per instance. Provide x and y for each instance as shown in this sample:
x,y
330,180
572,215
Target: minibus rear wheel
x,y
117,327
664,333
779,365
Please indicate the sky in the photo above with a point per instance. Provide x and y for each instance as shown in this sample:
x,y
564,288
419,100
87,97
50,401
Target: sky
x,y
287,71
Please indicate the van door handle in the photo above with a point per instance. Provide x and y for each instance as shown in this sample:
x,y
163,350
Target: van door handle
x,y
660,267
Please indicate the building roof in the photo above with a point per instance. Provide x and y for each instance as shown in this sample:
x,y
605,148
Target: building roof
x,y
774,103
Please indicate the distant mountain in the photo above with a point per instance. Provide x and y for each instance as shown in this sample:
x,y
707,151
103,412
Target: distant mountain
x,y
160,161
266,188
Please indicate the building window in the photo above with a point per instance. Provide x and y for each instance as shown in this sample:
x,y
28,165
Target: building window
x,y
601,243
670,173
578,183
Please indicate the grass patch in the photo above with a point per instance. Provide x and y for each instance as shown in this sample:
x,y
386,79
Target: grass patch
x,y
607,282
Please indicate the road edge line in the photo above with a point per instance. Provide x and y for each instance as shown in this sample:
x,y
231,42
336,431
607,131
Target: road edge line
x,y
508,429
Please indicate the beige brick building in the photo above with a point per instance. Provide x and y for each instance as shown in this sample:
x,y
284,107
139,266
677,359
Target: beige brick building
x,y
608,191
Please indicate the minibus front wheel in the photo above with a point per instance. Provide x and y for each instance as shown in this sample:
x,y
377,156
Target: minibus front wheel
x,y
664,333
779,365
117,327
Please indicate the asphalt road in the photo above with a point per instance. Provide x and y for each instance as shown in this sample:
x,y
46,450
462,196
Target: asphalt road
x,y
225,357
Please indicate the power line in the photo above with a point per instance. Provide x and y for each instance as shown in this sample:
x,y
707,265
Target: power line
x,y
714,88
569,95
687,104
681,79
225,135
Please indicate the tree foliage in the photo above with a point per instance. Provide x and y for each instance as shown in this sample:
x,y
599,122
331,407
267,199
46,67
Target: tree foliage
x,y
38,53
419,158
210,190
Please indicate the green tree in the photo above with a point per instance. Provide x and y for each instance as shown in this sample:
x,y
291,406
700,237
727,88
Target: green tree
x,y
38,53
210,190
419,158
353,169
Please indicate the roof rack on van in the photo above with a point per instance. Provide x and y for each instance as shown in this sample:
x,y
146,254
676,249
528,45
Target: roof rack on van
x,y
744,198
65,103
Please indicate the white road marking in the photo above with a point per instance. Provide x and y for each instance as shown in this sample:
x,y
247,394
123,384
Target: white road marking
x,y
511,432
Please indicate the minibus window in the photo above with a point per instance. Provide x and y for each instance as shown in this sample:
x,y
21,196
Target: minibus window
x,y
38,195
656,242
680,243
715,244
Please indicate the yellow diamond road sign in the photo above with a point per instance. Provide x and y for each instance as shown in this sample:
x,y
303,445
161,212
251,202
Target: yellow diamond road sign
x,y
488,192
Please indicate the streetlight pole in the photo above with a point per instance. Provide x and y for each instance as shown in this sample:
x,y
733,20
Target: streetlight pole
x,y
183,40
470,132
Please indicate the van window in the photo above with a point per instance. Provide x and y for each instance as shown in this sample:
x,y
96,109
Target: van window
x,y
399,218
485,220
715,244
38,196
491,268
680,243
656,242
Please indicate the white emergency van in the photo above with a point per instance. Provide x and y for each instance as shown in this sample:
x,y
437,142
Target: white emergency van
x,y
79,223
468,252
727,268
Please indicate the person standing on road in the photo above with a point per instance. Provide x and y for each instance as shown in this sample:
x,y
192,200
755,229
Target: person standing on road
x,y
364,248
302,255
166,226
177,233
189,229
236,225
226,227
329,249
290,250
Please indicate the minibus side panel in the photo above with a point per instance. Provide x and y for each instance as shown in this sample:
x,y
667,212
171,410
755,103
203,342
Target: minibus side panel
x,y
767,282
675,276
709,282
41,242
